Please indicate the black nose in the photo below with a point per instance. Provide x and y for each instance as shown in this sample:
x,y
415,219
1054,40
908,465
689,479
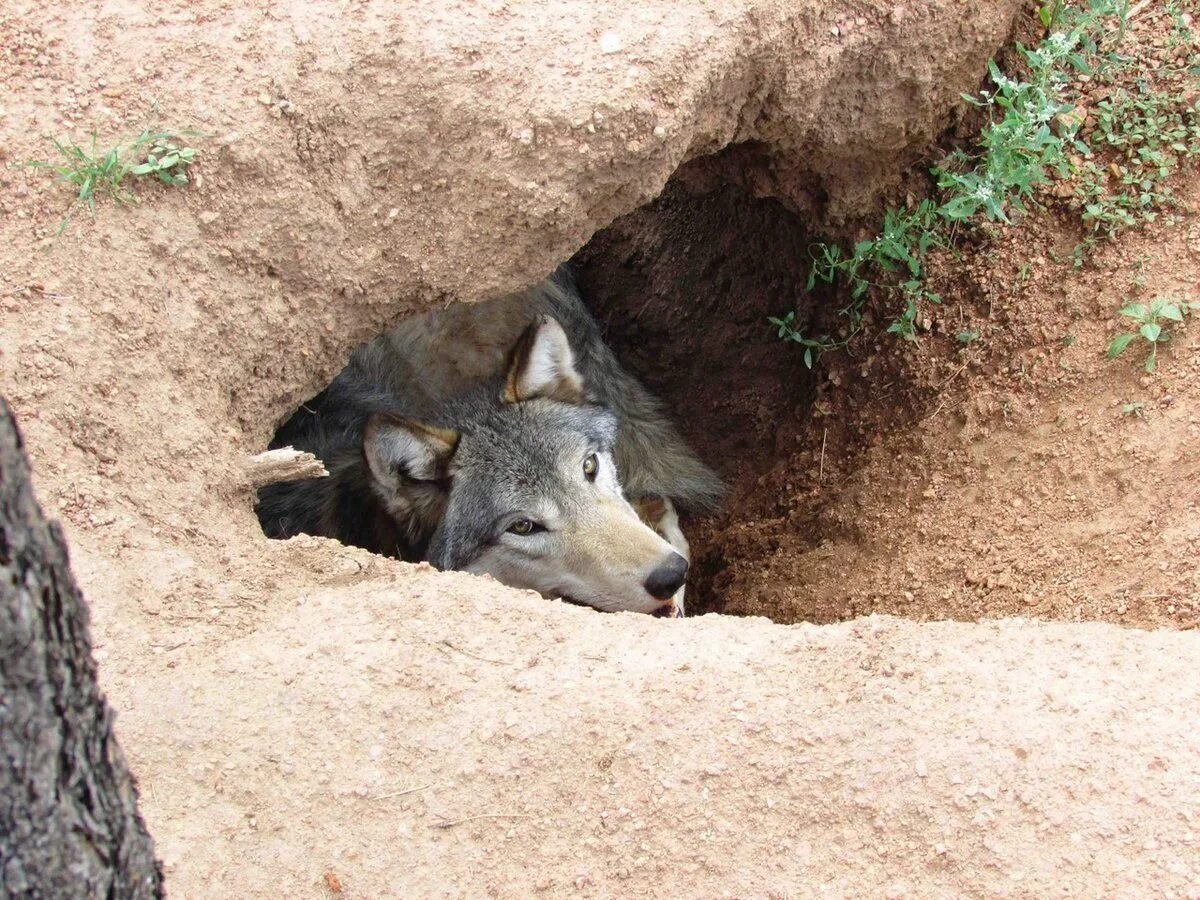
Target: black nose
x,y
667,578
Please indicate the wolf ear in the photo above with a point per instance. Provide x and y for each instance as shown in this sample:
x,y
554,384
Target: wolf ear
x,y
400,450
541,364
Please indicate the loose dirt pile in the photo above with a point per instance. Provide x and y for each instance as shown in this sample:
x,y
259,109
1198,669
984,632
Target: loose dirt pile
x,y
308,717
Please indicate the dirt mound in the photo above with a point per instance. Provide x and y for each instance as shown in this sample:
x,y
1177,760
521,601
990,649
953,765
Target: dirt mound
x,y
304,709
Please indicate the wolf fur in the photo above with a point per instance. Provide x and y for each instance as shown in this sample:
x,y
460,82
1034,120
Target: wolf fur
x,y
482,415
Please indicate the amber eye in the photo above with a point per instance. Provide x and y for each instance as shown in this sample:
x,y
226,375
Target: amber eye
x,y
591,466
523,526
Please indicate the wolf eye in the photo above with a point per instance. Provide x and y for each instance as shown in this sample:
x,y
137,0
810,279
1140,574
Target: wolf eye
x,y
524,527
591,466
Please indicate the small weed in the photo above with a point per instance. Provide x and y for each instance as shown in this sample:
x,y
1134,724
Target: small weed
x,y
897,255
967,337
813,347
1150,136
93,174
1134,408
1149,319
1068,340
1181,30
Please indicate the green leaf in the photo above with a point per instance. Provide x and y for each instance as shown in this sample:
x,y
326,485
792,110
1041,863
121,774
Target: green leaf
x,y
143,169
1120,342
1151,331
808,357
1172,312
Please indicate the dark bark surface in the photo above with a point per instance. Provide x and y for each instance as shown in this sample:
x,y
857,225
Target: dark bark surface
x,y
69,824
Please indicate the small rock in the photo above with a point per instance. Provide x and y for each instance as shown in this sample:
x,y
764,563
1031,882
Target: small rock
x,y
610,42
1069,122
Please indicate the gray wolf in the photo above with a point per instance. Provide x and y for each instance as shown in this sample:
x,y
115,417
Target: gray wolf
x,y
502,437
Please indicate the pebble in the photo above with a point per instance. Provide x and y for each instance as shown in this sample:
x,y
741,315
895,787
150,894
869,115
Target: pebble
x,y
610,42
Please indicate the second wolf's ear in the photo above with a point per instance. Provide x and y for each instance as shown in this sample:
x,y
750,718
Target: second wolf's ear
x,y
400,451
541,364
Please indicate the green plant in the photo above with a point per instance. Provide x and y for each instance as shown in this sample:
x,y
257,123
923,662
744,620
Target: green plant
x,y
167,161
967,337
1031,137
896,256
813,347
93,173
1181,30
1150,135
1149,319
1133,408
1025,140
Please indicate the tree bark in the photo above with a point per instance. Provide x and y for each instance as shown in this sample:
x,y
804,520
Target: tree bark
x,y
69,823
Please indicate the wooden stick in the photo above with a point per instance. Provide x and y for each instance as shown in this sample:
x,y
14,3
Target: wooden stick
x,y
284,464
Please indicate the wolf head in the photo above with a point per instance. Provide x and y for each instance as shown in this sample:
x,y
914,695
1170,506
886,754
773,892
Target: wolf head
x,y
524,487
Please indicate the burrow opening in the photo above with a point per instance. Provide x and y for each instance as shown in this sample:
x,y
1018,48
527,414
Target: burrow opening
x,y
682,289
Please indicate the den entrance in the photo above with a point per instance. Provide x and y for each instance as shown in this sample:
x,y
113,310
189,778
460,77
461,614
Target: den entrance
x,y
682,289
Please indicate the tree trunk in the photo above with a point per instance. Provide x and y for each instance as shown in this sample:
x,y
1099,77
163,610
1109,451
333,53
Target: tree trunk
x,y
69,824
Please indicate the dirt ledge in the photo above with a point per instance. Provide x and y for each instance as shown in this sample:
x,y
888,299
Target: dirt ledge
x,y
614,757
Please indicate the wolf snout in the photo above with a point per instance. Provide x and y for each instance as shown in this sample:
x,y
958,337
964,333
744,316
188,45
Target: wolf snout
x,y
669,577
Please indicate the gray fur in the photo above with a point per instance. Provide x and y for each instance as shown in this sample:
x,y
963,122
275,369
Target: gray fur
x,y
653,458
510,457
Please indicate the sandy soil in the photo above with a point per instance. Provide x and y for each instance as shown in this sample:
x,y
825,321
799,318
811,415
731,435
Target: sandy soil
x,y
306,718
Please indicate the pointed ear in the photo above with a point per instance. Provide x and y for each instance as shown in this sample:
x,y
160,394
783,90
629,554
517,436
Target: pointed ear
x,y
401,450
541,364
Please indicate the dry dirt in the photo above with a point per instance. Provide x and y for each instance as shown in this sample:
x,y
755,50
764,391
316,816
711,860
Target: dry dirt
x,y
938,481
306,719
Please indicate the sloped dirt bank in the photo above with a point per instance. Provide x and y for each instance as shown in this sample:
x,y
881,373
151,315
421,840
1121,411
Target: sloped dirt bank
x,y
1019,474
302,710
